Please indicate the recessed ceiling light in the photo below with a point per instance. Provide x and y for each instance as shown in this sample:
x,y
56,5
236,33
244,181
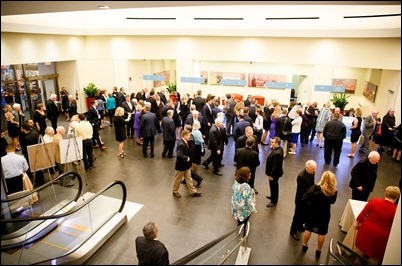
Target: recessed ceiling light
x,y
104,7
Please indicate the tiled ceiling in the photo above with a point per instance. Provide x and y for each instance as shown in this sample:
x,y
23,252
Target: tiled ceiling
x,y
344,19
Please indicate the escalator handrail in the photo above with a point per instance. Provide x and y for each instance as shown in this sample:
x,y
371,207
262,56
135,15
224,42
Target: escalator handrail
x,y
77,196
202,249
76,208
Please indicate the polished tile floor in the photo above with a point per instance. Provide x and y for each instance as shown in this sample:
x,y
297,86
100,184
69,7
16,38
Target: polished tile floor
x,y
188,223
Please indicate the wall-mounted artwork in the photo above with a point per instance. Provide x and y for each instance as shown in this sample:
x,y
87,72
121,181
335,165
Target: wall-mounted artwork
x,y
259,80
216,77
166,74
204,74
349,84
370,90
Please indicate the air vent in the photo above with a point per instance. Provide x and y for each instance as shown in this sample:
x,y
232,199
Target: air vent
x,y
293,18
218,18
374,16
152,18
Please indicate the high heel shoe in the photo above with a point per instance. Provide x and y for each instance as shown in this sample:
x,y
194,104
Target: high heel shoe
x,y
304,248
317,253
120,155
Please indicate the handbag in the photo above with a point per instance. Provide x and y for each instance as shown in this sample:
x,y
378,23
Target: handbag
x,y
285,133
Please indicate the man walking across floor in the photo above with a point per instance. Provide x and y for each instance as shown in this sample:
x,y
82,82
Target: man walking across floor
x,y
274,170
334,133
183,166
248,157
216,142
305,179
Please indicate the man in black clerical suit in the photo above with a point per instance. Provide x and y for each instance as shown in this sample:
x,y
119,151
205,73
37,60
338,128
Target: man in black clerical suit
x,y
148,126
274,169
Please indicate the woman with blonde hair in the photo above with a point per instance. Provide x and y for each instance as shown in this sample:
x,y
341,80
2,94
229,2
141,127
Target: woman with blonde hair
x,y
275,114
13,126
322,119
120,130
318,200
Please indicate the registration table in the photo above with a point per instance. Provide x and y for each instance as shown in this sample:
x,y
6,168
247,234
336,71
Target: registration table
x,y
347,222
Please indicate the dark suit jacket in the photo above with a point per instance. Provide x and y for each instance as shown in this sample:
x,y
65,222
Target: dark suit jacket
x,y
215,139
199,103
190,121
239,129
148,125
151,252
154,105
280,125
169,129
128,110
93,116
247,157
364,174
183,152
241,143
52,111
274,164
208,115
121,98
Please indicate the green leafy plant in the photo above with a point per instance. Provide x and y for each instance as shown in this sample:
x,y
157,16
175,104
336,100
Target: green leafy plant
x,y
340,100
91,90
171,87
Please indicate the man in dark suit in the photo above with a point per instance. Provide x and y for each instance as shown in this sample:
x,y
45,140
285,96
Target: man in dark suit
x,y
334,133
283,123
169,134
208,115
305,179
230,115
162,96
246,156
198,101
52,110
121,96
93,117
183,166
215,144
241,141
148,126
150,251
239,129
129,110
274,170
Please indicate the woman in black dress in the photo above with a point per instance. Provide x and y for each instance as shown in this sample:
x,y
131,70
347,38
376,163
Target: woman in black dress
x,y
39,118
318,200
355,131
120,130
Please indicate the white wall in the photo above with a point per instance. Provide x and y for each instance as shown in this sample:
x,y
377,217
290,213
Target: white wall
x,y
107,60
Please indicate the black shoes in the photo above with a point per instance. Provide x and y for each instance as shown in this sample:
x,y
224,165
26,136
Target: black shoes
x,y
177,194
205,164
269,205
317,253
255,191
196,194
304,248
199,182
295,236
218,173
268,197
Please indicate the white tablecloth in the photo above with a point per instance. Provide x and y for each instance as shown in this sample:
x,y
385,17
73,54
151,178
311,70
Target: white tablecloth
x,y
347,222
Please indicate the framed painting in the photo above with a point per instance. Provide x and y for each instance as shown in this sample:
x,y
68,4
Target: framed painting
x,y
216,77
370,90
349,84
166,74
259,80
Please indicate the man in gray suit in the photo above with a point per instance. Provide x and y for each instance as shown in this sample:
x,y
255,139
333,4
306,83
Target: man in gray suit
x,y
370,123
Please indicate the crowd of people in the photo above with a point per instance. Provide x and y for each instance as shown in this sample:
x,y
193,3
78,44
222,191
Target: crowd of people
x,y
191,125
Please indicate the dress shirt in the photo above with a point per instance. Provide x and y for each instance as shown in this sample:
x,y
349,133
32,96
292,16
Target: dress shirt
x,y
13,165
84,130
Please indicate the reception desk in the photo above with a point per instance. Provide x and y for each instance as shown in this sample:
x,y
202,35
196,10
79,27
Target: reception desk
x,y
347,222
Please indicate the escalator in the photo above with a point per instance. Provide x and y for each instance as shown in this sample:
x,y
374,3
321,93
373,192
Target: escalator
x,y
63,226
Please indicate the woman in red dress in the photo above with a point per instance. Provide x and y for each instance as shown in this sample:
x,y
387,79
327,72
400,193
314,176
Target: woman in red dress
x,y
374,225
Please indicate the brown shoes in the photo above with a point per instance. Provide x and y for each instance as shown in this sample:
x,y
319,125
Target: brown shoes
x,y
196,194
177,194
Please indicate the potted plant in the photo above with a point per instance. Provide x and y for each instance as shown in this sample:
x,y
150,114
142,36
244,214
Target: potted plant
x,y
171,88
340,100
91,91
